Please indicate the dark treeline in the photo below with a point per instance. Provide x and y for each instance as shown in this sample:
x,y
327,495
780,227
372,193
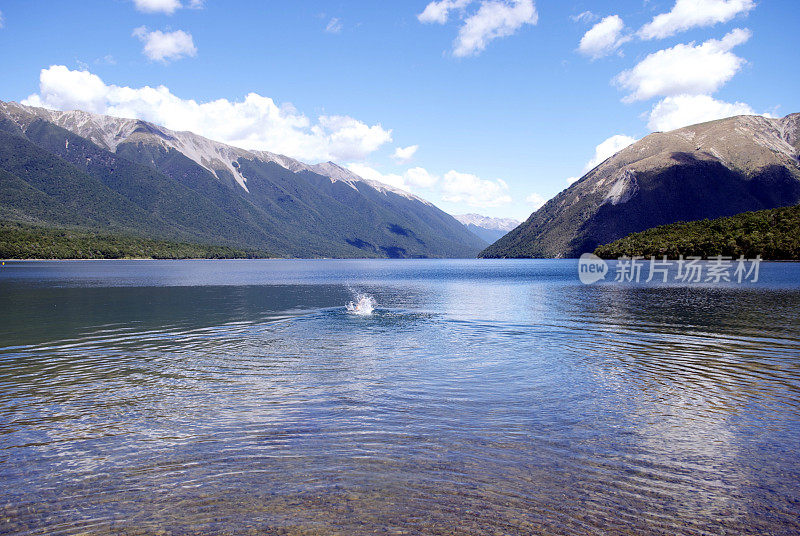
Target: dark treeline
x,y
29,242
773,234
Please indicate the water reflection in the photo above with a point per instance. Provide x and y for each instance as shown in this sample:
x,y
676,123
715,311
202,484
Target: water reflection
x,y
509,399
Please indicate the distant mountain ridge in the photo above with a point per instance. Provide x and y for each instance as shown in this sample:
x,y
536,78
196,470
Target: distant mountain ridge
x,y
709,170
487,228
159,183
487,222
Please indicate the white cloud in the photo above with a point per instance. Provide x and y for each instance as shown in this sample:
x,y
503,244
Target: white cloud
x,y
334,26
370,173
454,187
64,89
2,20
685,69
536,201
256,122
438,12
349,138
474,191
586,17
419,177
494,19
608,148
683,110
604,38
412,179
686,76
165,46
687,14
158,6
404,154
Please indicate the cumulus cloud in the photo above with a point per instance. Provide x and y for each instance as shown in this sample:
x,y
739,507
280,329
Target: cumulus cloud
x,y
685,69
604,38
453,186
166,6
411,180
686,76
157,6
683,110
349,138
493,19
165,46
536,201
256,122
404,154
474,191
439,12
607,149
334,26
367,172
687,14
419,177
2,20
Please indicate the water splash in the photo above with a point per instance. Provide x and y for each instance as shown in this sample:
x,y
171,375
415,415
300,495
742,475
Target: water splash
x,y
363,306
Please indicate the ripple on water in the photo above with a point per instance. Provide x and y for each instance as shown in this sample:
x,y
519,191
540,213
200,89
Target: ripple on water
x,y
557,409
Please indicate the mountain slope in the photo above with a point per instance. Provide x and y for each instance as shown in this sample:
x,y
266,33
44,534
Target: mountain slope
x,y
178,185
709,170
487,228
75,197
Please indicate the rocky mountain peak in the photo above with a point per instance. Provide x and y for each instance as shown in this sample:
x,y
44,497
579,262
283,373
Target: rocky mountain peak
x,y
708,170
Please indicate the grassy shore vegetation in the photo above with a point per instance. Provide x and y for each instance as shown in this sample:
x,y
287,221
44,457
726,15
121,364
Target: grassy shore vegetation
x,y
773,234
28,242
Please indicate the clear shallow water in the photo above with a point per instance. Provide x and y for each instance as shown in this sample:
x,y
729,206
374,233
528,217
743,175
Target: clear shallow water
x,y
480,397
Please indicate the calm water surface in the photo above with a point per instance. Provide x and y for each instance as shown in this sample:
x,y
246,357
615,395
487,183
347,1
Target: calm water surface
x,y
480,397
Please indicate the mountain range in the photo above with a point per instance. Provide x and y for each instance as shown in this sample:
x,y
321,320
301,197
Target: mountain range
x,y
81,170
710,170
487,228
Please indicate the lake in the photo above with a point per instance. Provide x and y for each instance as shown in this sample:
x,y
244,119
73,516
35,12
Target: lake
x,y
479,397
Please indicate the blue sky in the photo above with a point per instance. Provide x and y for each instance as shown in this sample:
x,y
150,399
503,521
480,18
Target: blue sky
x,y
502,117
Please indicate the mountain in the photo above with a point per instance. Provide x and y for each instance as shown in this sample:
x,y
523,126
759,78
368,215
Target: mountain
x,y
710,170
485,227
772,234
85,170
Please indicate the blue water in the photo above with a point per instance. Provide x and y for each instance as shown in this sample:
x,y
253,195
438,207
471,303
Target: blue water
x,y
479,397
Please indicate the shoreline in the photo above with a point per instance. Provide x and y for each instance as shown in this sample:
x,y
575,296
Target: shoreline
x,y
347,259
